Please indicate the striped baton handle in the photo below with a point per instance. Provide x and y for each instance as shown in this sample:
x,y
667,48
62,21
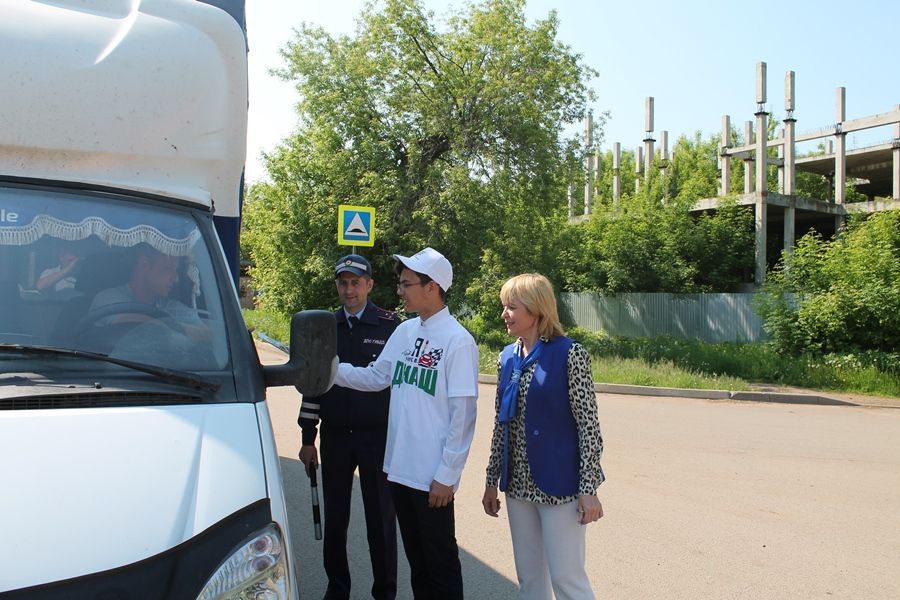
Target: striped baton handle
x,y
314,489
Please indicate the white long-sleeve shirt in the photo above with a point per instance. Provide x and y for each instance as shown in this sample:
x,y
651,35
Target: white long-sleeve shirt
x,y
432,369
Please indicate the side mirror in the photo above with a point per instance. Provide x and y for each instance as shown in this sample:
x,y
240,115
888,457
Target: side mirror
x,y
313,354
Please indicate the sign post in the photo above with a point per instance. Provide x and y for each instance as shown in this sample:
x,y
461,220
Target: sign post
x,y
356,226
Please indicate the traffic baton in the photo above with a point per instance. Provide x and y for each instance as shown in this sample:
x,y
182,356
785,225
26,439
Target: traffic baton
x,y
314,490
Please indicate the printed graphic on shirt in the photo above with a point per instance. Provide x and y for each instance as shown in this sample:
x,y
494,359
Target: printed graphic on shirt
x,y
418,367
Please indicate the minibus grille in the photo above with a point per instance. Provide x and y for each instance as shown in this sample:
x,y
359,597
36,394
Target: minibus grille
x,y
102,400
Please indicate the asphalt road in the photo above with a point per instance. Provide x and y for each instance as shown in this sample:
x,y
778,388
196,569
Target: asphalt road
x,y
712,499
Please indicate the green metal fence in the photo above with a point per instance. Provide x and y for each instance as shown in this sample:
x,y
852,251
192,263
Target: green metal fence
x,y
708,317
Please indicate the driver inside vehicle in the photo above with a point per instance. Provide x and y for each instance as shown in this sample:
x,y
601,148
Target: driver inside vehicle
x,y
145,297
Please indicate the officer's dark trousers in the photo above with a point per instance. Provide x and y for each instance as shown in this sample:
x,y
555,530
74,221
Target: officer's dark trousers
x,y
429,539
342,452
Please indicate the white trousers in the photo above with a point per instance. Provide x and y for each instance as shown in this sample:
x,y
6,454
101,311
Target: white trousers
x,y
549,548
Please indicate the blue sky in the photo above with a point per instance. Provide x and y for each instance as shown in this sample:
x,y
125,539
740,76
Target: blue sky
x,y
697,58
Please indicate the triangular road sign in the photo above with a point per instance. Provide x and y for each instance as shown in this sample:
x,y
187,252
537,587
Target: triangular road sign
x,y
356,225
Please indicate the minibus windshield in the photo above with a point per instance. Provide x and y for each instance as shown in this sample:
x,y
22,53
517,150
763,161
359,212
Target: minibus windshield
x,y
125,278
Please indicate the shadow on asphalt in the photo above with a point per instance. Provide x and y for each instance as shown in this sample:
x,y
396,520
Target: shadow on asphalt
x,y
480,580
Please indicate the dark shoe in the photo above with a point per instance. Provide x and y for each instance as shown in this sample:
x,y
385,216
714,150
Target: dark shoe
x,y
384,592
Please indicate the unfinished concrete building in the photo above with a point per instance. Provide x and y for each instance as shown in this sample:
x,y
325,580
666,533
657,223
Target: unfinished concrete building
x,y
783,215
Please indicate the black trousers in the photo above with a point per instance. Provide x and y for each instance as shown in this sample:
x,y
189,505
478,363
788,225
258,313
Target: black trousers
x,y
429,539
344,450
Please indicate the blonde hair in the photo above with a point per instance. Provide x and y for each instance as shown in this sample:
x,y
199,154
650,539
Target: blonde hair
x,y
535,293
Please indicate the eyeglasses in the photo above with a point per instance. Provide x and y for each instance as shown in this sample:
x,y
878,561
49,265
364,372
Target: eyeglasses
x,y
401,287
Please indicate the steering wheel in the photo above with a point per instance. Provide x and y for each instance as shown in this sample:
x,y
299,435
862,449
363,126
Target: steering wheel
x,y
119,308
155,338
104,338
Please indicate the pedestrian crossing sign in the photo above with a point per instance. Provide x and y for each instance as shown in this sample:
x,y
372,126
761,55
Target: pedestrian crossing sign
x,y
356,225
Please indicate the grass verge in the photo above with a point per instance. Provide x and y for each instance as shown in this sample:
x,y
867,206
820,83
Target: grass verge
x,y
637,371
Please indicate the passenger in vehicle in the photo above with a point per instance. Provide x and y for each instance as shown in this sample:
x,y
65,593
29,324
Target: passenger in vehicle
x,y
62,276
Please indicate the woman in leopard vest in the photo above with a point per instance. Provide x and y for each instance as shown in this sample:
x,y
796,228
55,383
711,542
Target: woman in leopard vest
x,y
546,447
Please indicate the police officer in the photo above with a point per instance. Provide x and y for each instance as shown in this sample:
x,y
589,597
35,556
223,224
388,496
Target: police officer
x,y
354,432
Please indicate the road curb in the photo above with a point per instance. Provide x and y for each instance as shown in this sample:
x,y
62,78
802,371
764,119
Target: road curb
x,y
646,390
788,398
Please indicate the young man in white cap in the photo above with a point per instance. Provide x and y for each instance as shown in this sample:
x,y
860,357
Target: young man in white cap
x,y
431,365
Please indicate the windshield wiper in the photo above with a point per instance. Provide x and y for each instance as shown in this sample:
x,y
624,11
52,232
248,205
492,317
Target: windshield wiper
x,y
171,375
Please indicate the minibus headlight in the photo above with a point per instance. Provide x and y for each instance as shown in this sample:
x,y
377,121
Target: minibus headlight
x,y
255,571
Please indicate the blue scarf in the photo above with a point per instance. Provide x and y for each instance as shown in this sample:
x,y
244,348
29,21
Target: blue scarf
x,y
509,401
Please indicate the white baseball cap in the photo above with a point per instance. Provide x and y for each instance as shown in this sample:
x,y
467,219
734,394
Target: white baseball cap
x,y
432,263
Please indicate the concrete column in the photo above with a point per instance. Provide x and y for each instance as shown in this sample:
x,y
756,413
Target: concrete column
x,y
638,167
724,159
790,177
617,173
790,154
779,154
762,155
664,159
748,162
589,184
588,163
648,137
664,148
570,197
761,169
840,153
829,151
896,152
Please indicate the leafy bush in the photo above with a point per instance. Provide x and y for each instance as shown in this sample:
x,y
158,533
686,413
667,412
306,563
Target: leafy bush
x,y
838,296
275,324
597,343
486,333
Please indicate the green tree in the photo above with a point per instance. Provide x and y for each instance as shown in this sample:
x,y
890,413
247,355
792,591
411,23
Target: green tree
x,y
643,249
650,241
694,170
453,134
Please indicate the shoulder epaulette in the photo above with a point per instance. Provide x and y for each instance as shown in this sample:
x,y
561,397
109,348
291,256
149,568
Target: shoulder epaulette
x,y
387,315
